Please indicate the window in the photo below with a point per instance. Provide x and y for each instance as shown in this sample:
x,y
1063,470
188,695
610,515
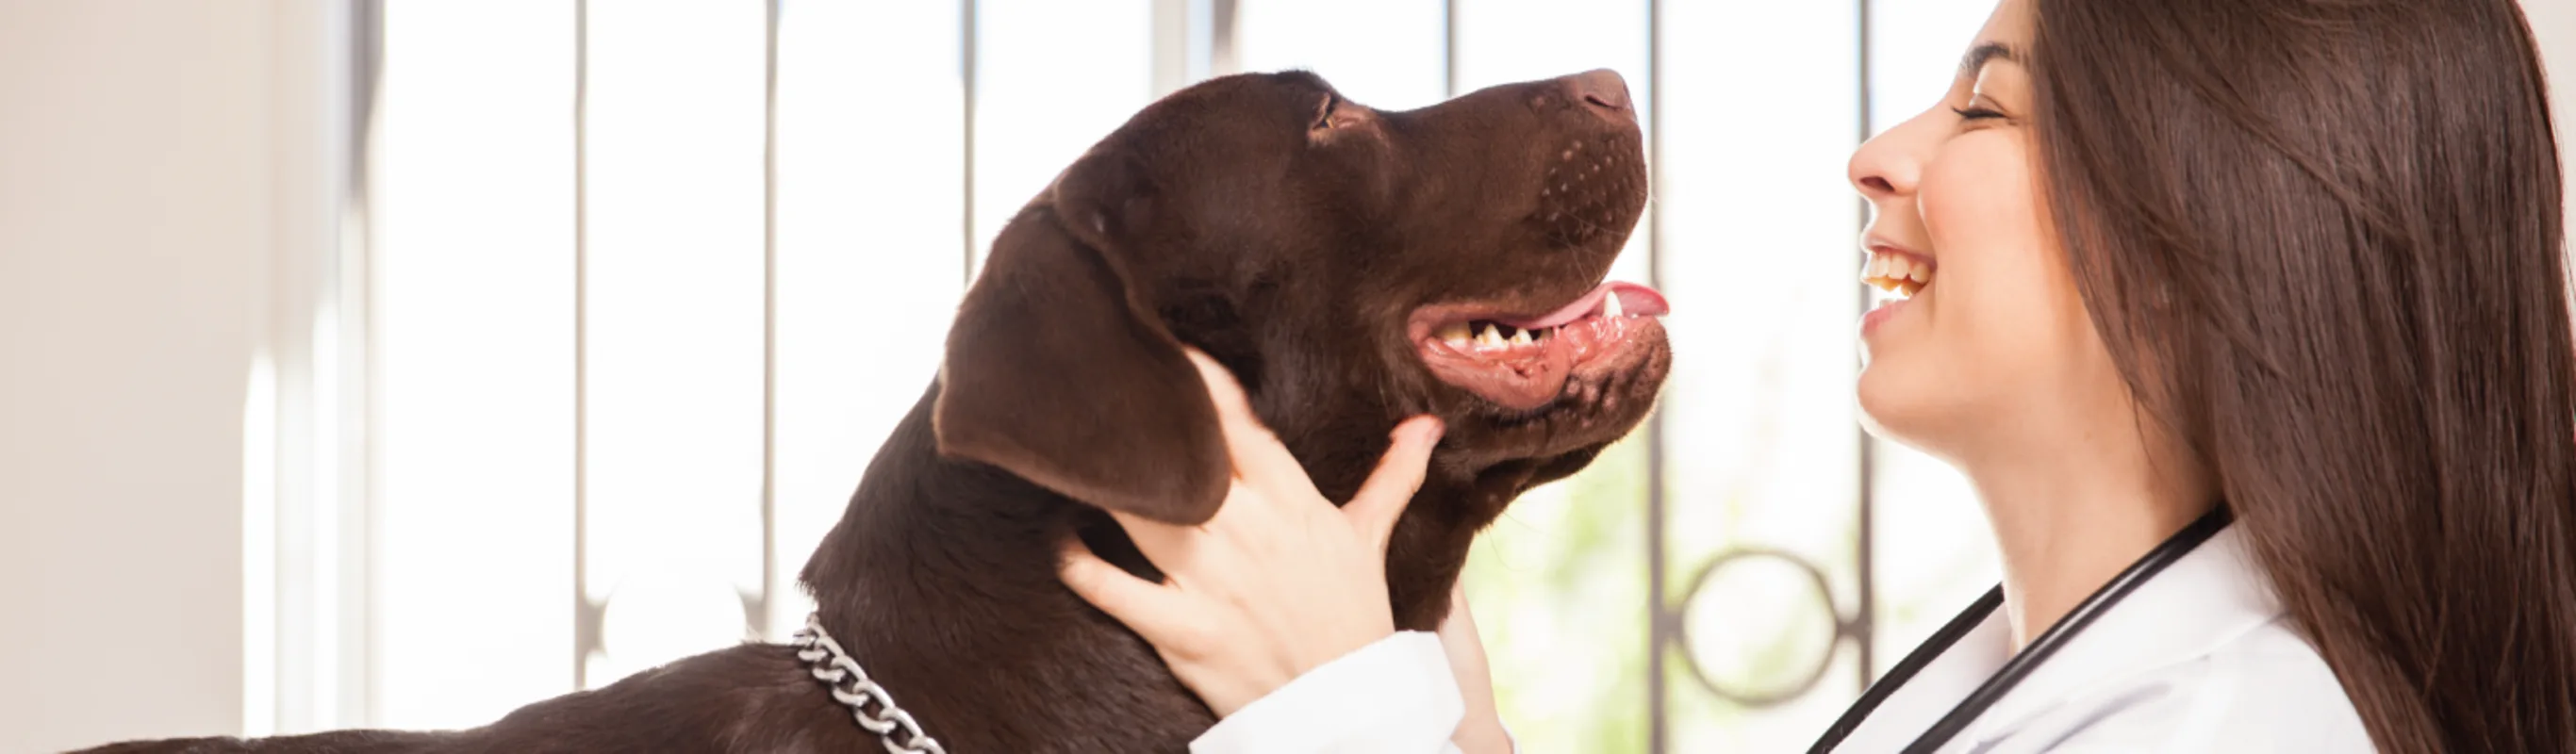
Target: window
x,y
650,281
474,347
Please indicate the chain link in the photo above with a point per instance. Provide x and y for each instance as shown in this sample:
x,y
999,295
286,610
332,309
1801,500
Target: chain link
x,y
870,704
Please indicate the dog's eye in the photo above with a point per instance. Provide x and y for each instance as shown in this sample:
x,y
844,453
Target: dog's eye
x,y
1324,118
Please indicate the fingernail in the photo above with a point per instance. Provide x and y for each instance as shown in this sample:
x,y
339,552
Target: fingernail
x,y
1431,435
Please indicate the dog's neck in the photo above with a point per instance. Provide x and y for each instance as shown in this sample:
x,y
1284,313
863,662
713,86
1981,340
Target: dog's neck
x,y
940,578
934,519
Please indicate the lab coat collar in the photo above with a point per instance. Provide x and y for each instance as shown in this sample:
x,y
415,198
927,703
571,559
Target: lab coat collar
x,y
2208,597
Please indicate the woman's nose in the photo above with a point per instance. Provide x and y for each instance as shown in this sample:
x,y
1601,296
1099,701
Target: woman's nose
x,y
1886,166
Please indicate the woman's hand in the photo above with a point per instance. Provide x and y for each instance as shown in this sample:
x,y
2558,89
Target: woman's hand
x,y
1481,732
1279,581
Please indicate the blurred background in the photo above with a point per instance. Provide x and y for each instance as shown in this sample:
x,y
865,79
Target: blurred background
x,y
401,363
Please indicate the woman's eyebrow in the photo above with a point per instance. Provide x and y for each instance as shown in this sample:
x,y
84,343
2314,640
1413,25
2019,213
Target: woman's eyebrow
x,y
1977,56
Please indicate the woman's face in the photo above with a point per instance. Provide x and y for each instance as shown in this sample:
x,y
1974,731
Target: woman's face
x,y
1994,344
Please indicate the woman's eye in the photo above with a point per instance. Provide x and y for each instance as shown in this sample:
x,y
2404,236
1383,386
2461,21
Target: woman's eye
x,y
1976,113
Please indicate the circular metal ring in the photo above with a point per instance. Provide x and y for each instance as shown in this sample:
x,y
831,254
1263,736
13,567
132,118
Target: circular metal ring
x,y
1824,594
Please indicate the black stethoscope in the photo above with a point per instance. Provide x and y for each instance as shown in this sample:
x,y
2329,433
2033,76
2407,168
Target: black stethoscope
x,y
2049,641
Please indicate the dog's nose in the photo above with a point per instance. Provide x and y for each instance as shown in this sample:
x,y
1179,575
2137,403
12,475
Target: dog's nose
x,y
1603,92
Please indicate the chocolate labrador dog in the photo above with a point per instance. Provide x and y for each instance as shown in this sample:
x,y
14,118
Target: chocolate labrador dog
x,y
1351,267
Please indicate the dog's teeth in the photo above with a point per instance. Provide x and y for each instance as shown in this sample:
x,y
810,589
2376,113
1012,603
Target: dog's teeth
x,y
1521,338
1490,338
1455,334
1610,307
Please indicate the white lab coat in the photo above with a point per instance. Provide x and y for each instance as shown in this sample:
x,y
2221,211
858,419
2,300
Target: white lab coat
x,y
2197,659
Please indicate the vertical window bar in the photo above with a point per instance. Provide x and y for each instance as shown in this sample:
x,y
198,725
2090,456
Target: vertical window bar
x,y
1449,47
1865,614
355,454
966,33
756,606
585,618
1223,58
1657,629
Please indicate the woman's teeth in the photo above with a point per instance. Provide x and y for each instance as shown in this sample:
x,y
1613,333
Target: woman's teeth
x,y
1897,273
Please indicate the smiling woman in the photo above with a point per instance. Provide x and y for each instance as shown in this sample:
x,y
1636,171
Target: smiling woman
x,y
2174,231
2360,323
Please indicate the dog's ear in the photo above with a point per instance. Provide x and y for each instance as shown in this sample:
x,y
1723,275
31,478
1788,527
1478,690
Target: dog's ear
x,y
1104,199
1059,371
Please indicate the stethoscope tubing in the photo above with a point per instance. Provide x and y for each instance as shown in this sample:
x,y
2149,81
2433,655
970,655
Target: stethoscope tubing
x,y
2048,643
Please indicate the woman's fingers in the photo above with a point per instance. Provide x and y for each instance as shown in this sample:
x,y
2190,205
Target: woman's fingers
x,y
1465,648
1257,454
1383,498
1278,582
1113,590
1482,728
1161,541
1261,462
1222,388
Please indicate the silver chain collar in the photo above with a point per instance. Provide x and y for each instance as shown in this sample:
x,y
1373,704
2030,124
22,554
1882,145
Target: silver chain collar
x,y
851,687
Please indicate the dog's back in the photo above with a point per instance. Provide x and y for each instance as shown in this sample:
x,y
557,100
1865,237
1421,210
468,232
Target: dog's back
x,y
750,698
373,741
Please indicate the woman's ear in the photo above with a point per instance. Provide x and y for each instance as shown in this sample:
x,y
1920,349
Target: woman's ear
x,y
1058,371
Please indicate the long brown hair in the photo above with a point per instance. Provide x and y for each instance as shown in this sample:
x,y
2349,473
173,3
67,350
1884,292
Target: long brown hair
x,y
2323,238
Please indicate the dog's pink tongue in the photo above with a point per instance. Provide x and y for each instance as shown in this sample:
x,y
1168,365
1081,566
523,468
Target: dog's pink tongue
x,y
1634,300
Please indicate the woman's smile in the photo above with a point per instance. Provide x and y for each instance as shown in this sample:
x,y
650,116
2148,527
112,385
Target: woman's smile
x,y
1896,270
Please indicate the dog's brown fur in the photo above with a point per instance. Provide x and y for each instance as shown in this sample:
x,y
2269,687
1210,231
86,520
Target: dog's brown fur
x,y
1287,237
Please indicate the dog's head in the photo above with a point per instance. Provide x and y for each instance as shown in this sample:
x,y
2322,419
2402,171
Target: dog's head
x,y
1350,266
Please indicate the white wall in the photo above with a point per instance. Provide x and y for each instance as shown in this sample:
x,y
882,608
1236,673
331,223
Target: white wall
x,y
147,183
